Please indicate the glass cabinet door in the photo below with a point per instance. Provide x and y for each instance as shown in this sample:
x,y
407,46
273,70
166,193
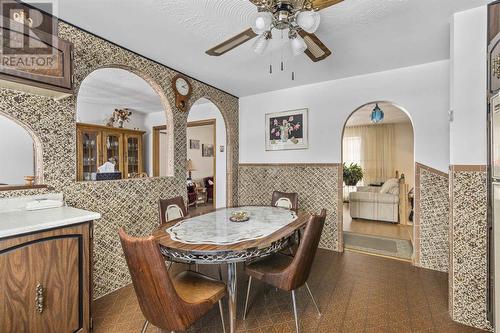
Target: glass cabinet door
x,y
133,157
113,149
89,154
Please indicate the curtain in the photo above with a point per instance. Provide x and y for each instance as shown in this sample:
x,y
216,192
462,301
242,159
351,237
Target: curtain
x,y
372,147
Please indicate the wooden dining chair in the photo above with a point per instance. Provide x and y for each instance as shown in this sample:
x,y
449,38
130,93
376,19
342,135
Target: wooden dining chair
x,y
171,304
172,209
285,200
286,272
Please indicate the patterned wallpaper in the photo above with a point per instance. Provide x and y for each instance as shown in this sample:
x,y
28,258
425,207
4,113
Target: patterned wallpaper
x,y
468,271
126,203
316,184
431,227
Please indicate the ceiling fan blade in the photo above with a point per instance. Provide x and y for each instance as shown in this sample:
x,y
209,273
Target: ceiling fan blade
x,y
316,50
232,43
322,4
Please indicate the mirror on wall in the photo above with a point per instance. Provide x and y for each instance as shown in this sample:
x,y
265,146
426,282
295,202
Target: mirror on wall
x,y
117,111
17,166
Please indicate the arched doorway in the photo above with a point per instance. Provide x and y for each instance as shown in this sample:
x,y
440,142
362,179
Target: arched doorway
x,y
118,109
206,165
378,181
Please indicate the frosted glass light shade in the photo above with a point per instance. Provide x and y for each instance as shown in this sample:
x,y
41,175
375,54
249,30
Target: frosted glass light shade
x,y
260,44
308,21
297,45
262,22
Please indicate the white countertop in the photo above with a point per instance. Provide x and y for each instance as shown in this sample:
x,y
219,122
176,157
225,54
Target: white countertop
x,y
21,221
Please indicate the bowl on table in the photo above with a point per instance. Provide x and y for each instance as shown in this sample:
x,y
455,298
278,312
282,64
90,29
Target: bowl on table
x,y
239,216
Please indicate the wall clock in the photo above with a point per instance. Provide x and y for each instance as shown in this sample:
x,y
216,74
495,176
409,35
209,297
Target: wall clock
x,y
182,89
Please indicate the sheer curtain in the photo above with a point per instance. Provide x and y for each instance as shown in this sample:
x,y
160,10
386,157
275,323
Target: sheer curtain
x,y
372,147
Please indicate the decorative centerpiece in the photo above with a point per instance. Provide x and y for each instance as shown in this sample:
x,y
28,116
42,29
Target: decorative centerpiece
x,y
119,116
239,216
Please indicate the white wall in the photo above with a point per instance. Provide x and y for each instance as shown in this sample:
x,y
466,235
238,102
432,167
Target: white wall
x,y
403,152
423,91
98,114
468,87
204,165
16,149
210,111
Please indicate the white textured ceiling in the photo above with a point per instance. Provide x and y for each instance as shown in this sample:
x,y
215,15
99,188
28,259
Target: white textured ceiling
x,y
392,115
119,88
365,35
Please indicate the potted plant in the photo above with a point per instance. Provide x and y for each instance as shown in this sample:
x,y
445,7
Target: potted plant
x,y
352,174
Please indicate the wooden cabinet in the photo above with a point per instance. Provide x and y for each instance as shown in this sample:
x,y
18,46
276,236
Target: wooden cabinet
x,y
35,59
45,284
97,144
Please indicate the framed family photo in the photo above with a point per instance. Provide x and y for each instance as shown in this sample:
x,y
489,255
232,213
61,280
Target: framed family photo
x,y
287,130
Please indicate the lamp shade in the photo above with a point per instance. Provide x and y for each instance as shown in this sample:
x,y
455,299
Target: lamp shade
x,y
260,44
297,45
262,22
308,21
190,166
377,115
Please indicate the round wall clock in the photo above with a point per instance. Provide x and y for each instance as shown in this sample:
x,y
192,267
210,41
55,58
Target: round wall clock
x,y
182,89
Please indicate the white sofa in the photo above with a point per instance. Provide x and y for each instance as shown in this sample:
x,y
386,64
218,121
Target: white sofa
x,y
376,203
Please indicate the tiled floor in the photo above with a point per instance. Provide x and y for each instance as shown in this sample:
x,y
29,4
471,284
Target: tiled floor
x,y
356,292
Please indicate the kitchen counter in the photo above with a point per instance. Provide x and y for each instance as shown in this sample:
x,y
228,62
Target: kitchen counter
x,y
16,220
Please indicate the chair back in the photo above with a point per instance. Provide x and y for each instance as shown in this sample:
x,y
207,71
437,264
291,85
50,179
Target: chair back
x,y
160,304
299,269
171,209
285,200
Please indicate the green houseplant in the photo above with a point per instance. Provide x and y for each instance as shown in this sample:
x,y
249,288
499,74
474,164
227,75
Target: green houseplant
x,y
352,174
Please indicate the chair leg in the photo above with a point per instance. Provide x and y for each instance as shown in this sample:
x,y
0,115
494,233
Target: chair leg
x,y
246,301
222,316
312,297
297,329
145,326
220,272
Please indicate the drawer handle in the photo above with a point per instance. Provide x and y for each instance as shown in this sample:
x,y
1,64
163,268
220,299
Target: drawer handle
x,y
39,299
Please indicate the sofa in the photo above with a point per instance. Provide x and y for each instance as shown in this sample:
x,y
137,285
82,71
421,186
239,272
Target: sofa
x,y
376,203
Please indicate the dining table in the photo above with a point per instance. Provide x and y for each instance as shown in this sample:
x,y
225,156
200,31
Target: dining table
x,y
213,238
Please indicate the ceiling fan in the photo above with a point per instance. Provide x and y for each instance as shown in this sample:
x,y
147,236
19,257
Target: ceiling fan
x,y
299,17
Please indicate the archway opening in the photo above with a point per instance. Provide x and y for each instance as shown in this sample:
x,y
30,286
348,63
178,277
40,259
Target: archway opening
x,y
117,112
206,150
378,181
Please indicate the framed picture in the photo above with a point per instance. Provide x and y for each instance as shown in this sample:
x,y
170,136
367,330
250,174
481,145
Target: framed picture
x,y
207,150
194,144
287,130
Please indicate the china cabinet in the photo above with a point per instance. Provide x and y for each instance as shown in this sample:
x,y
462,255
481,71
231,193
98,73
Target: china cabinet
x,y
97,144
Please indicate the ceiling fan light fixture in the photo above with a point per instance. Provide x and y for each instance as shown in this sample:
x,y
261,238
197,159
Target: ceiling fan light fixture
x,y
308,20
297,45
262,22
260,44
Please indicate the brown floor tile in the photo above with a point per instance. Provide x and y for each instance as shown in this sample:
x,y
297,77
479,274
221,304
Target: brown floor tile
x,y
356,293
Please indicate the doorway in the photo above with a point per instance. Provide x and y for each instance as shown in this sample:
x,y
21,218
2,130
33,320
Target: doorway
x,y
206,157
378,181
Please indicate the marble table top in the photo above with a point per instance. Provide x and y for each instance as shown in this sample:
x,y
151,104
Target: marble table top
x,y
216,228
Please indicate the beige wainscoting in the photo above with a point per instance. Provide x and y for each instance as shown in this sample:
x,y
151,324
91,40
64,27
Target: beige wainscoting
x,y
431,222
316,184
468,231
